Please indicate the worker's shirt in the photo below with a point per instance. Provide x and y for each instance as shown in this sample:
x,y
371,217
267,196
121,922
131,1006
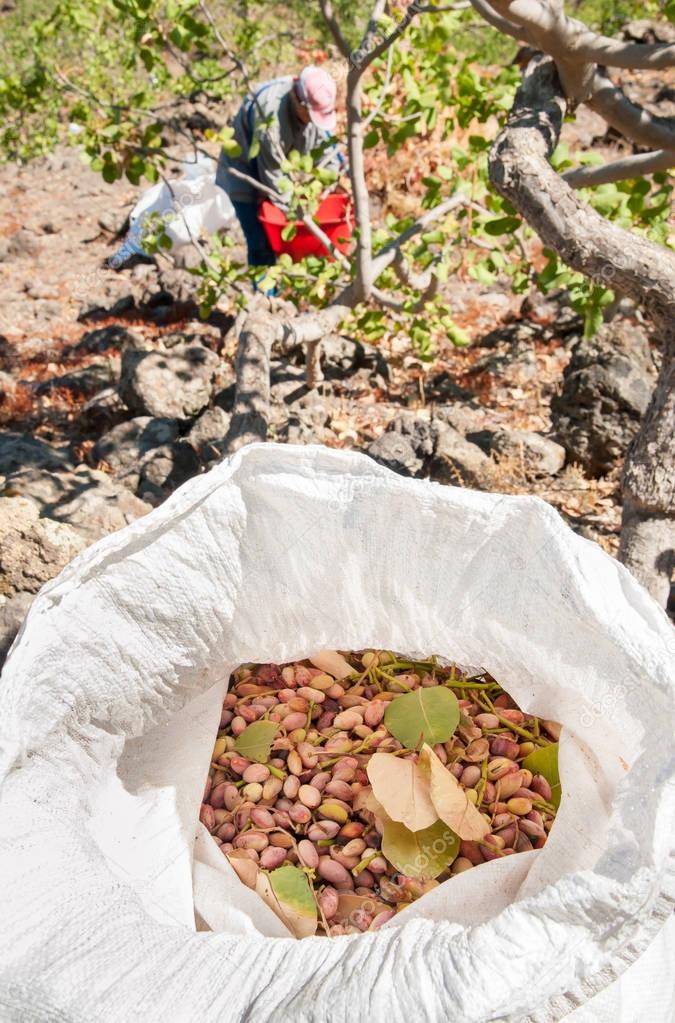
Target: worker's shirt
x,y
268,117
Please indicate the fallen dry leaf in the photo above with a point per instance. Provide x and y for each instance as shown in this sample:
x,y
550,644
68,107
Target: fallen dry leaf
x,y
449,799
365,800
402,790
353,908
245,869
333,663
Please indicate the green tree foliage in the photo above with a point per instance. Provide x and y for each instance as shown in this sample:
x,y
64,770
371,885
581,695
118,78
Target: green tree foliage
x,y
110,76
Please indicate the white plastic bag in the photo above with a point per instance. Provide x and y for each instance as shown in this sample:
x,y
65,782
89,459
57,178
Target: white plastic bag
x,y
200,206
110,700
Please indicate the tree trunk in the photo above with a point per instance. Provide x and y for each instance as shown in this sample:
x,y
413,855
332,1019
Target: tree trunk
x,y
629,264
250,414
648,519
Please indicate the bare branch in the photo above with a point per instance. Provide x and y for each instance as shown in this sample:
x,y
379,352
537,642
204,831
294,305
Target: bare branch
x,y
387,301
313,326
241,176
383,92
620,170
498,21
335,30
386,256
627,117
585,45
369,50
407,276
321,235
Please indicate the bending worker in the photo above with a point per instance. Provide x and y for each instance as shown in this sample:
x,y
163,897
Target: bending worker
x,y
284,114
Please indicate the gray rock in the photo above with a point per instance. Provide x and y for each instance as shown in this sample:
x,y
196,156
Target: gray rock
x,y
12,613
552,309
457,461
177,286
443,388
288,383
207,335
648,30
343,356
539,455
467,418
397,453
125,446
89,501
103,339
18,450
175,384
607,386
166,468
32,549
514,358
405,446
115,222
104,293
340,356
208,433
85,381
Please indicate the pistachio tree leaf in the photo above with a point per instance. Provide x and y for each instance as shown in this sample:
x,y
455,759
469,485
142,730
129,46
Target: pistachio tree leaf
x,y
255,742
295,904
332,663
545,761
402,790
426,715
425,853
450,800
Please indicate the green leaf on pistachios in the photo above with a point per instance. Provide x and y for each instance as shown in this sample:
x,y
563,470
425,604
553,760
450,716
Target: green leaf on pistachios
x,y
426,715
294,895
424,853
255,742
545,761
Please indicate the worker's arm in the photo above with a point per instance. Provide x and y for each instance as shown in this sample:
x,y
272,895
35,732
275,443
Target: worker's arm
x,y
269,157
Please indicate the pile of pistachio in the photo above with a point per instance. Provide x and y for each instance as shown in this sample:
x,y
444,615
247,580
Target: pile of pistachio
x,y
346,786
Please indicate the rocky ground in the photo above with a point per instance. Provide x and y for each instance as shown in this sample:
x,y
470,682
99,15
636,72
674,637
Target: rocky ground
x,y
113,392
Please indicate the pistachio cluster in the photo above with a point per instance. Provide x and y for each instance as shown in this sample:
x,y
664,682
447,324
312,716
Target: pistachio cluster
x,y
308,806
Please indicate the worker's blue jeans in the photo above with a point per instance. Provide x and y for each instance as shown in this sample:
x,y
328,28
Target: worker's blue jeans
x,y
257,247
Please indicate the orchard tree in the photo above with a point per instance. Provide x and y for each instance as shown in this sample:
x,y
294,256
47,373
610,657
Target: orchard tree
x,y
604,226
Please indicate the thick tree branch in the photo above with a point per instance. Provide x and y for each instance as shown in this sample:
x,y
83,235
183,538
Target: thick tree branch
x,y
644,271
620,170
584,44
627,117
501,23
250,414
520,170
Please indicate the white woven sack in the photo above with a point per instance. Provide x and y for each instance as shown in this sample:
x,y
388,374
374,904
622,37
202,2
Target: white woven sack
x,y
200,206
109,704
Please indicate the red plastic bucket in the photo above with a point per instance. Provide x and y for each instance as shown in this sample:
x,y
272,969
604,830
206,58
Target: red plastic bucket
x,y
333,215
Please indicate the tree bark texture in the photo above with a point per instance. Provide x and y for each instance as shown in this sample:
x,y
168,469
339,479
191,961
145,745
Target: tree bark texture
x,y
632,266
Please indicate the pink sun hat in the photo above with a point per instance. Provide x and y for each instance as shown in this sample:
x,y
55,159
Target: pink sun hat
x,y
318,91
